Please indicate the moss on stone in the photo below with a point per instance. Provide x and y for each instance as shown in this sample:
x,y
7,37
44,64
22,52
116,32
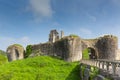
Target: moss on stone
x,y
15,52
73,35
16,45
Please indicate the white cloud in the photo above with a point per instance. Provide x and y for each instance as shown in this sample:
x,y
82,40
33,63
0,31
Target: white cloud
x,y
6,41
41,8
85,31
25,39
91,17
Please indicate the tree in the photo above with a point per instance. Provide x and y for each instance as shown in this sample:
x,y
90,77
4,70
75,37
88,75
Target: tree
x,y
28,50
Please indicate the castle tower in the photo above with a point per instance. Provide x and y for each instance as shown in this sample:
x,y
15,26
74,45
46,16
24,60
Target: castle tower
x,y
53,36
62,34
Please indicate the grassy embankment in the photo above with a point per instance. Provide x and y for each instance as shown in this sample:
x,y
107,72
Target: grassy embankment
x,y
3,57
40,68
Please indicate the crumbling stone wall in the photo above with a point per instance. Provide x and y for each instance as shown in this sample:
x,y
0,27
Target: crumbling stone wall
x,y
43,49
118,55
15,52
75,49
70,48
107,47
53,36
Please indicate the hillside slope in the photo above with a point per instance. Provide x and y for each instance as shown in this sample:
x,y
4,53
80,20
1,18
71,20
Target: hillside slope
x,y
40,68
2,53
3,57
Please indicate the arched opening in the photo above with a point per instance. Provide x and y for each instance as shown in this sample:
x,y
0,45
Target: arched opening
x,y
16,54
92,53
89,53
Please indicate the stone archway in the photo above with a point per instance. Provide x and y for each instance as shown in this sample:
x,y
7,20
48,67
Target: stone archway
x,y
17,54
92,53
89,53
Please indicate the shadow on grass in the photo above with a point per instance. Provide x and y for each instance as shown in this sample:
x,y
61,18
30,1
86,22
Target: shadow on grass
x,y
74,74
56,57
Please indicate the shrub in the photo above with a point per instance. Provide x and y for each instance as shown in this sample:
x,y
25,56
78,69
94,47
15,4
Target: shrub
x,y
28,50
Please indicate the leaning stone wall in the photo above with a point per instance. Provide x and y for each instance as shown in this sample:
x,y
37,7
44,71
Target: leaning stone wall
x,y
68,49
75,49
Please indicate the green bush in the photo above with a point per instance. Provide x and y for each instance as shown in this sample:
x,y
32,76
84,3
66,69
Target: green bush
x,y
28,50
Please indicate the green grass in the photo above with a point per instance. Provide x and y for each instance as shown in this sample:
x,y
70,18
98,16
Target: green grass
x,y
3,57
40,68
85,54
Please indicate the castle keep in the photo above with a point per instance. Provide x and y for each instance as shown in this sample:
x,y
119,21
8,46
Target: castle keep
x,y
70,48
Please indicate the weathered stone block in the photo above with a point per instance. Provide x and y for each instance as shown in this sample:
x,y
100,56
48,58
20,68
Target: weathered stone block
x,y
86,74
15,52
99,77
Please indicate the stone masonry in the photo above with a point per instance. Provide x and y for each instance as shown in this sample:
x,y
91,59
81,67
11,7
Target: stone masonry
x,y
15,52
70,48
53,36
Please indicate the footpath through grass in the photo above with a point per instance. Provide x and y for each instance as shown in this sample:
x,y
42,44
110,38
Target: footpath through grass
x,y
40,68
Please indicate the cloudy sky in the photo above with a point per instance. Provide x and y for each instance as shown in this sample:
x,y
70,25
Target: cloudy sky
x,y
30,21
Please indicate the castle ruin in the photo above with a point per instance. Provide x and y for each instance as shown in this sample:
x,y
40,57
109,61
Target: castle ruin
x,y
15,52
54,36
70,48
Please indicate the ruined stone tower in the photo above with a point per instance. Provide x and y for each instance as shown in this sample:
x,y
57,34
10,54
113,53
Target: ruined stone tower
x,y
15,52
62,34
53,36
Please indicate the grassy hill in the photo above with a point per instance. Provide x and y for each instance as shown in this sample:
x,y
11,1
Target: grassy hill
x,y
40,68
2,53
3,57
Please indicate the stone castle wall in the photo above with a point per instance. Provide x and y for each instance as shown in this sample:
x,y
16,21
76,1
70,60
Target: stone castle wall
x,y
118,55
107,47
70,48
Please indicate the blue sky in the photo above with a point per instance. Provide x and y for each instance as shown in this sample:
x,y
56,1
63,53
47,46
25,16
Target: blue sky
x,y
30,21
